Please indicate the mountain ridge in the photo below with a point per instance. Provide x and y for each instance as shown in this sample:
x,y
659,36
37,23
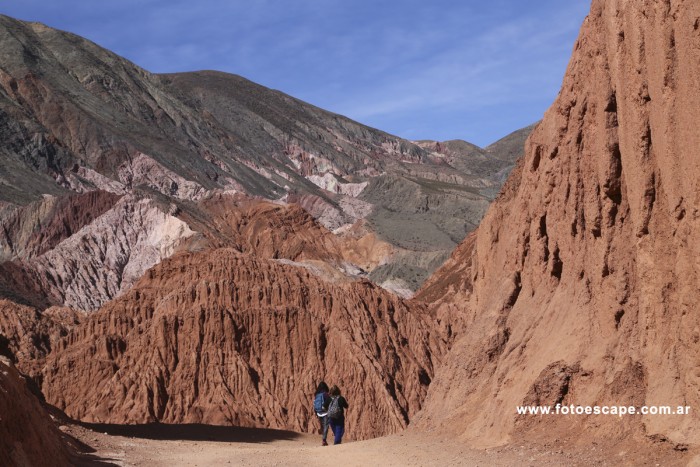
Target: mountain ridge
x,y
79,118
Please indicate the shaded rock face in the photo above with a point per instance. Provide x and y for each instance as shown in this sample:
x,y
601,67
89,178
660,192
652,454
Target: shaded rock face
x,y
448,291
99,261
27,335
38,227
582,283
28,436
220,337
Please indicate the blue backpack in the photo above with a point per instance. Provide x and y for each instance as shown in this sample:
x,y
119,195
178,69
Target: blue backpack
x,y
319,401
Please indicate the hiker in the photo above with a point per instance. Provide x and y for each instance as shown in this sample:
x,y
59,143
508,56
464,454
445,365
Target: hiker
x,y
336,414
321,402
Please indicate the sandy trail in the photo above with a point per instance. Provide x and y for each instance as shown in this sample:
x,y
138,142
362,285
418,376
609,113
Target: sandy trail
x,y
199,445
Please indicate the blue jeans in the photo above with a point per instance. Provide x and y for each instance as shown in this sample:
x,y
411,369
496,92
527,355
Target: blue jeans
x,y
324,426
338,427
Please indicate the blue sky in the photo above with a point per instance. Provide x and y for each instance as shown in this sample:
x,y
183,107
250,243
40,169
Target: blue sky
x,y
437,69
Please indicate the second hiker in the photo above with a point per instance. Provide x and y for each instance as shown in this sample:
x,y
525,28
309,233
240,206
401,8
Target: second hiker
x,y
336,414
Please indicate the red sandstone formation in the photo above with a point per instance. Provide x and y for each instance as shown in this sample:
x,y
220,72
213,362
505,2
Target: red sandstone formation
x,y
220,337
265,229
28,436
285,231
583,281
580,286
27,335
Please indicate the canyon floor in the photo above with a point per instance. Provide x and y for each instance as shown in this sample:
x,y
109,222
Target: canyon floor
x,y
202,445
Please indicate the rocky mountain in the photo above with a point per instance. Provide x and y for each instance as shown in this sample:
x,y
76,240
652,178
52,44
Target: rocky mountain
x,y
225,338
100,260
259,287
195,248
27,335
511,147
96,261
28,436
581,284
75,118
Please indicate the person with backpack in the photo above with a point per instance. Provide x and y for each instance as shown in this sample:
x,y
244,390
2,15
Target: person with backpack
x,y
321,402
336,414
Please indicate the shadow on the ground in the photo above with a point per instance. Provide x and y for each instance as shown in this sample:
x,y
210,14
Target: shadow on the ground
x,y
90,460
194,432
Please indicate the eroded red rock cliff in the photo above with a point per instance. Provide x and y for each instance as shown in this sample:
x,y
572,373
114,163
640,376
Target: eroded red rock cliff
x,y
28,335
28,436
221,337
583,281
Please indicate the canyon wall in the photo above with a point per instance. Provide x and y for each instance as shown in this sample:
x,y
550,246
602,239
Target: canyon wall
x,y
582,283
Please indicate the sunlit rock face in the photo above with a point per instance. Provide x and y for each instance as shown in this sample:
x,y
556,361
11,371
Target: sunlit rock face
x,y
225,338
581,285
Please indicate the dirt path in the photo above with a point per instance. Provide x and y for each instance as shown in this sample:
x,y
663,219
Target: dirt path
x,y
198,445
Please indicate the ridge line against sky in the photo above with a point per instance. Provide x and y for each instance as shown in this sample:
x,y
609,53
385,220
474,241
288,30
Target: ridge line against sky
x,y
435,70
